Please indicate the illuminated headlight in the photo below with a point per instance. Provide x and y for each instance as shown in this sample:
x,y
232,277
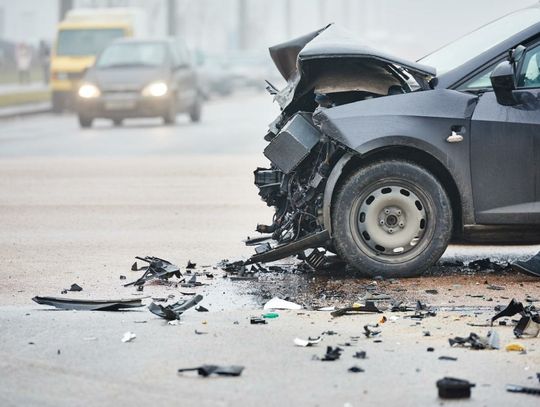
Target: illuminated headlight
x,y
155,89
88,91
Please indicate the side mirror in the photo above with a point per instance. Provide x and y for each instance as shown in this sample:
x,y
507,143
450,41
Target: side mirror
x,y
504,83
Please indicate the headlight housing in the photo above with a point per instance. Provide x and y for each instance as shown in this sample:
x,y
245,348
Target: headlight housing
x,y
156,89
88,91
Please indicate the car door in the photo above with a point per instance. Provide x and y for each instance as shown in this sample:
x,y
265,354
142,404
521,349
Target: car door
x,y
505,147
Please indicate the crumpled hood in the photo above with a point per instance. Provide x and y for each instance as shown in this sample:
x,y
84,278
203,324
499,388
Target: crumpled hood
x,y
132,78
332,42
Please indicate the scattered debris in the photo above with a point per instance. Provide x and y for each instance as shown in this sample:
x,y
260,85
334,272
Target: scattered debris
x,y
174,311
122,277
477,342
307,342
528,325
190,265
157,269
197,332
430,349
74,287
515,347
192,282
451,388
207,370
452,358
257,321
432,292
522,389
278,303
89,305
530,267
495,287
270,315
332,354
128,337
368,331
355,308
356,369
360,355
200,308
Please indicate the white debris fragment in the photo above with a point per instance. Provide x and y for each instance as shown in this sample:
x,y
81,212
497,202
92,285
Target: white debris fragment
x,y
307,342
494,341
128,337
174,322
326,309
278,303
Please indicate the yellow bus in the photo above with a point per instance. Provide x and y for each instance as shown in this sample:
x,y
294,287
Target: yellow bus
x,y
81,36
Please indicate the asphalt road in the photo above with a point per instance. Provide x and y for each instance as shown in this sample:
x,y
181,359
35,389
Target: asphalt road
x,y
76,207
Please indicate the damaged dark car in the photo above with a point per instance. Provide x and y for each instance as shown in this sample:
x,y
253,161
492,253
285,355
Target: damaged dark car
x,y
384,162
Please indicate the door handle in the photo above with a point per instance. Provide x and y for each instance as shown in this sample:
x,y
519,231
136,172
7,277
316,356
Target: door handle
x,y
456,135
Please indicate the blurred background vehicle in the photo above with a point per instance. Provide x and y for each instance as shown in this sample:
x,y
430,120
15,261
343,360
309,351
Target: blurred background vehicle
x,y
81,36
140,78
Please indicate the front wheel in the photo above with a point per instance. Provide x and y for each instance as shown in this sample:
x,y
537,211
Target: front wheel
x,y
391,218
85,121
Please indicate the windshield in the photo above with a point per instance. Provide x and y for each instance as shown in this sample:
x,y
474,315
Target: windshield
x,y
132,54
469,46
85,42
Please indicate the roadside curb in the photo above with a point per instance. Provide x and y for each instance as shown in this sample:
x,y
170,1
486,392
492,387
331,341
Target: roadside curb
x,y
25,110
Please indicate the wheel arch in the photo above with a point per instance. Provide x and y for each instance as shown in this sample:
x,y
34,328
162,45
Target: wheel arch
x,y
352,161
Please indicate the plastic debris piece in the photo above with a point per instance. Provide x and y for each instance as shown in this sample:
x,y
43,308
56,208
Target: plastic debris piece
x,y
200,308
270,315
278,303
452,388
257,321
476,341
174,311
430,349
157,269
89,305
522,389
128,337
191,265
515,347
307,342
197,332
332,354
207,370
528,325
75,287
369,307
447,358
356,369
368,331
360,355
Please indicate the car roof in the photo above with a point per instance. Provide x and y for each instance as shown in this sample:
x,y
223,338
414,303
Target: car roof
x,y
131,40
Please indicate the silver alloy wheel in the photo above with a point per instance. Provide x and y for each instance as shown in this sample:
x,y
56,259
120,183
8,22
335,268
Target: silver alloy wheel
x,y
391,220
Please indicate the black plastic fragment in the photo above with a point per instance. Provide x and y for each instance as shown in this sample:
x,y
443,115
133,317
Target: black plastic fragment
x,y
522,389
257,321
207,370
360,355
200,308
369,307
174,311
75,287
356,369
332,354
529,316
452,358
452,388
157,269
89,305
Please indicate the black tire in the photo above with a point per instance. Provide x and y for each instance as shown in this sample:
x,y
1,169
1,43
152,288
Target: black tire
x,y
85,122
170,116
405,209
196,111
117,122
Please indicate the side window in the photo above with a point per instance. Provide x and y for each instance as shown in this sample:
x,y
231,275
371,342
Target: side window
x,y
480,80
529,74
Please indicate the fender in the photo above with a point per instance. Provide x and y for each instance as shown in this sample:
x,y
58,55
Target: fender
x,y
419,120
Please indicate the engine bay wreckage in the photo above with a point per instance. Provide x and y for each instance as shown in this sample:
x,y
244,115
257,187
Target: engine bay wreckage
x,y
365,160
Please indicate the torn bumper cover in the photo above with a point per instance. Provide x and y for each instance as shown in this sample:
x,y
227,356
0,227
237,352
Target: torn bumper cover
x,y
89,305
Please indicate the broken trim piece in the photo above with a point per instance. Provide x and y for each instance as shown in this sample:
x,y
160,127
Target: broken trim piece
x,y
89,305
288,249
